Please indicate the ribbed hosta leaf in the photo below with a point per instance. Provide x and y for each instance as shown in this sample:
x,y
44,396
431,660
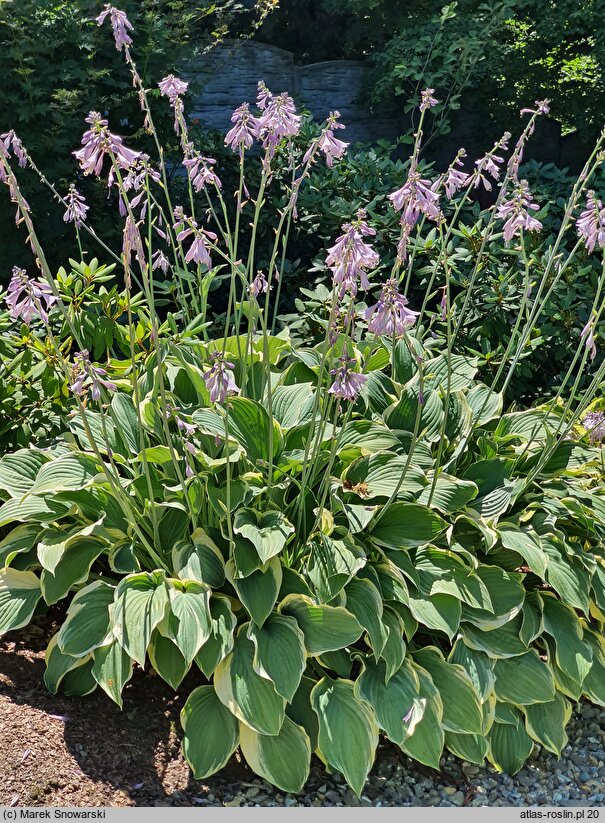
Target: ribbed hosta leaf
x,y
211,732
19,595
279,653
326,628
282,759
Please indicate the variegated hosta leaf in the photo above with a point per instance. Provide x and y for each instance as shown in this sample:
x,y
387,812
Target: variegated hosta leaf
x,y
524,680
326,628
348,734
392,702
112,669
365,602
282,759
545,723
72,568
59,664
141,601
87,623
258,591
279,653
462,712
211,732
407,525
189,619
509,746
478,666
21,539
267,531
220,642
167,659
250,697
426,741
19,595
573,655
199,559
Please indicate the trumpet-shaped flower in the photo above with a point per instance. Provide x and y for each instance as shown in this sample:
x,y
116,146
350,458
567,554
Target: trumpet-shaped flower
x,y
219,379
244,131
76,207
351,256
172,87
390,315
416,197
347,383
85,376
27,298
516,212
98,141
120,25
591,223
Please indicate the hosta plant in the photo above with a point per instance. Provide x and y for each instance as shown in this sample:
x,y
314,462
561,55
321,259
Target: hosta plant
x,y
343,538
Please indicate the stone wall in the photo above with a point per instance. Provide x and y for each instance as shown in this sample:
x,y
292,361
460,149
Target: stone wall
x,y
228,75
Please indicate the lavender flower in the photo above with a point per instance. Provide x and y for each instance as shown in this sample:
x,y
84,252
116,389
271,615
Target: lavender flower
x,y
350,256
28,298
331,146
427,101
198,251
591,223
454,179
259,285
245,130
76,207
120,24
171,87
86,376
594,423
347,384
132,242
160,261
516,212
390,315
219,379
491,163
278,119
587,335
99,141
9,140
542,107
200,172
416,197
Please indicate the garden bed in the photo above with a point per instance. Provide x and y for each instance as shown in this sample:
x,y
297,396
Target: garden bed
x,y
61,751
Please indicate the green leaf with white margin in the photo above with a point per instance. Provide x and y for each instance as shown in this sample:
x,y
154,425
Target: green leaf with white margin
x,y
524,680
188,625
72,568
568,578
18,471
19,540
140,605
478,667
300,711
211,732
247,695
69,472
573,655
292,404
495,487
506,593
348,734
259,590
485,404
392,700
58,664
444,572
509,747
332,563
594,682
54,542
283,759
365,602
199,558
167,659
79,682
532,425
450,493
249,423
35,509
440,612
112,669
402,414
124,414
503,642
525,543
469,747
460,369
279,653
87,622
407,525
394,650
19,595
461,705
381,473
425,743
369,435
220,642
545,723
268,531
326,628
